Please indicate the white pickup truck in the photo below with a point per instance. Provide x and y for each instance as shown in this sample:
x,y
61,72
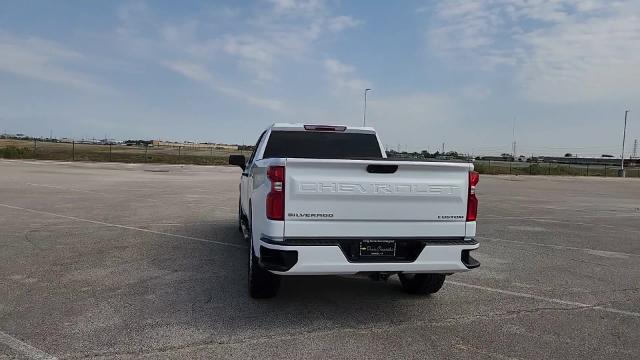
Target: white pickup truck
x,y
321,199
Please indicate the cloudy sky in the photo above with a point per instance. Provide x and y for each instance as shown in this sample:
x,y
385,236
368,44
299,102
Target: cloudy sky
x,y
457,72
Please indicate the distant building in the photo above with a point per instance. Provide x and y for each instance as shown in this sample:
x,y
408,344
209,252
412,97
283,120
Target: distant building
x,y
495,158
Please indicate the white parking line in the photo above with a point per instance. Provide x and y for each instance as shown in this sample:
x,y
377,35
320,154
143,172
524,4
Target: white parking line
x,y
545,220
67,189
562,247
542,298
24,348
124,226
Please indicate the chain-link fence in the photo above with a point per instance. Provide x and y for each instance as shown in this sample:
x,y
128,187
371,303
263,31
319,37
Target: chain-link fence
x,y
525,168
218,155
73,151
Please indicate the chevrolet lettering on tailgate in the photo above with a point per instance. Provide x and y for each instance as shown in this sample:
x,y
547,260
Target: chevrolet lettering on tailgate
x,y
377,188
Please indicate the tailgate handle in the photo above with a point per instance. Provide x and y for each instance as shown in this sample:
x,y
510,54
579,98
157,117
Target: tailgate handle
x,y
382,169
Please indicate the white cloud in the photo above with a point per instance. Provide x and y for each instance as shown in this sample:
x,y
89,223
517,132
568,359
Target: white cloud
x,y
200,74
583,61
288,31
254,54
133,12
421,120
340,23
253,48
43,60
342,78
192,71
297,6
474,92
559,51
336,68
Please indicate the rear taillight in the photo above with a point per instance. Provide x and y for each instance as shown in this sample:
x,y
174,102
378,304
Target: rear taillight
x,y
275,198
472,201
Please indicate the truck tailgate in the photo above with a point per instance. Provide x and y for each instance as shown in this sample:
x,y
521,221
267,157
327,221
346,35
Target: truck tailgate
x,y
355,198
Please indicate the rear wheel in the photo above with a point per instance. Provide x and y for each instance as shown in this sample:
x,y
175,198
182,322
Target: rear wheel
x,y
262,283
240,217
422,284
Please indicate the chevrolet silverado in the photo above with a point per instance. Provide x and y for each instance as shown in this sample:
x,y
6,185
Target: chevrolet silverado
x,y
324,199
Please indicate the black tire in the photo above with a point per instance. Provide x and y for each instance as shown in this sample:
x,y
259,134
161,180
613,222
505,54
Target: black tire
x,y
262,283
240,217
422,284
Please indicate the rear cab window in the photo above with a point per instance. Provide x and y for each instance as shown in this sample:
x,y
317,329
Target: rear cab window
x,y
322,145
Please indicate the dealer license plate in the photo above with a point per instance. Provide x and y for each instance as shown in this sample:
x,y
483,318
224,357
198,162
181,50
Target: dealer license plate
x,y
378,248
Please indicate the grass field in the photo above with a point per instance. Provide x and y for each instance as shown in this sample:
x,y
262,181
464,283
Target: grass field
x,y
199,155
183,154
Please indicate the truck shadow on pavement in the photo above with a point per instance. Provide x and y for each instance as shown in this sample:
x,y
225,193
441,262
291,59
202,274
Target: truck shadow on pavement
x,y
127,293
209,296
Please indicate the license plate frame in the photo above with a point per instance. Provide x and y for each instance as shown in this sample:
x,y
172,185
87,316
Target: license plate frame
x,y
370,248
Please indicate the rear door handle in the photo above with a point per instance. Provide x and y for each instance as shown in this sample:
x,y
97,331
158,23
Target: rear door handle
x,y
382,169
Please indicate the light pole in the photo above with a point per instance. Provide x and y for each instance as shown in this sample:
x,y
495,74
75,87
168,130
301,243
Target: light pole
x,y
364,114
624,135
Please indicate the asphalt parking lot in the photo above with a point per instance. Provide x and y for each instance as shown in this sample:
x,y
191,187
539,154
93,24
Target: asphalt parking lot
x,y
145,261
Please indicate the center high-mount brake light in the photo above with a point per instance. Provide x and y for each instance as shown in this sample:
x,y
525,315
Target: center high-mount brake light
x,y
275,198
325,128
472,200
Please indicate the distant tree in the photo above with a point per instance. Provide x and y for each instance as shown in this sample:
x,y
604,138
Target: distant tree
x,y
392,153
568,155
507,157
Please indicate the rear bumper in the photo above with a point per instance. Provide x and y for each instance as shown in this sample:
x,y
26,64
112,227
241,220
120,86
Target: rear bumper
x,y
324,257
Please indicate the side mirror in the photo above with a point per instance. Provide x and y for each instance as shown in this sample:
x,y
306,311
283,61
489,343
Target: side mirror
x,y
238,160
